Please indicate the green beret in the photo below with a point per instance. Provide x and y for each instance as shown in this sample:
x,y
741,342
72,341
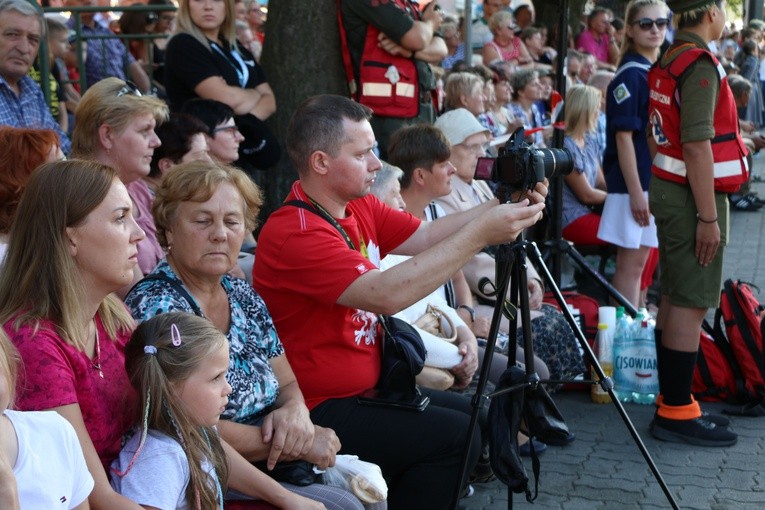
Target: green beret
x,y
680,6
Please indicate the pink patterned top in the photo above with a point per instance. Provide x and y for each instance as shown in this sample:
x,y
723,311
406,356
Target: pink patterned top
x,y
507,54
57,374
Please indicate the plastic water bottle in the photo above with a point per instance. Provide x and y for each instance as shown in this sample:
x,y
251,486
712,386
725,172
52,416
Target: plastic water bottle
x,y
622,345
605,353
646,377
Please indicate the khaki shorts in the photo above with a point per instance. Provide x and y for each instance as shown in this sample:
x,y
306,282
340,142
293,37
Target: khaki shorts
x,y
683,280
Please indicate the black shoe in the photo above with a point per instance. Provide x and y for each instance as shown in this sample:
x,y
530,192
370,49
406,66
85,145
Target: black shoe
x,y
717,419
754,198
746,204
698,432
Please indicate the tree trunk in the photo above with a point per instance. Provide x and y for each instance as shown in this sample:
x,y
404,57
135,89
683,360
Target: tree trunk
x,y
301,58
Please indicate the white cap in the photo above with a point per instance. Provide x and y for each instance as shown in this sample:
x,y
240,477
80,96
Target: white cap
x,y
458,125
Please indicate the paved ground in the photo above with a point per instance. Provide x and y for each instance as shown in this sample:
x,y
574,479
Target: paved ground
x,y
604,469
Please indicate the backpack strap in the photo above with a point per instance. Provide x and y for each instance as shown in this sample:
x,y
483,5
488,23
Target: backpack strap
x,y
346,52
176,286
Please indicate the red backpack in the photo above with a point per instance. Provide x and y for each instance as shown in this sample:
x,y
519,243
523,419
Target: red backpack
x,y
743,314
715,379
731,361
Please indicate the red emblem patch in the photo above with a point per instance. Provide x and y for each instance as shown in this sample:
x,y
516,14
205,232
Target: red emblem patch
x,y
704,83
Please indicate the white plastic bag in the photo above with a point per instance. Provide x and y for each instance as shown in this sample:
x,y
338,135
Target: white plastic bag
x,y
363,479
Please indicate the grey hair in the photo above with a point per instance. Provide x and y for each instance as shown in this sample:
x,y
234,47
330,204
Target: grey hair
x,y
383,177
21,6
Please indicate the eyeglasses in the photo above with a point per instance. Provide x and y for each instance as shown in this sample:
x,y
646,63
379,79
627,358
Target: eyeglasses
x,y
478,148
647,24
167,17
129,88
232,130
151,18
512,28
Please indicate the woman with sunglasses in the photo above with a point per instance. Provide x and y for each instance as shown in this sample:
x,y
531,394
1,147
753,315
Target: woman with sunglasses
x,y
505,47
115,127
626,221
204,59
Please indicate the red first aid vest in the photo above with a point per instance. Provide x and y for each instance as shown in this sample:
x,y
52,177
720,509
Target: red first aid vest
x,y
387,84
728,149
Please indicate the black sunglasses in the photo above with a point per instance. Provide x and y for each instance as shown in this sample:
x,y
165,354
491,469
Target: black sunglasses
x,y
646,24
151,18
129,88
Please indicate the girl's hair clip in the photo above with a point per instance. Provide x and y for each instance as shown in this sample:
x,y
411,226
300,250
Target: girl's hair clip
x,y
175,335
150,350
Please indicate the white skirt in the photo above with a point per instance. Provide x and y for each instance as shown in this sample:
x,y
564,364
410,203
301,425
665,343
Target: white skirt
x,y
618,226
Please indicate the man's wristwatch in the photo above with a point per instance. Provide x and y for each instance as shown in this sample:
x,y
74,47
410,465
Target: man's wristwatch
x,y
469,309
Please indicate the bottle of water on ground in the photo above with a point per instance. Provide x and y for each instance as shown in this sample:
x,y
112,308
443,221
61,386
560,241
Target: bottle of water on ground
x,y
605,353
646,384
622,346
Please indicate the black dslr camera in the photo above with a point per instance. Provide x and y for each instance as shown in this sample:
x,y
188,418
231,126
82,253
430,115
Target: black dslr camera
x,y
520,166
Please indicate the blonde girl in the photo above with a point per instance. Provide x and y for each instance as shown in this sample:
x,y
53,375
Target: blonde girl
x,y
177,363
585,186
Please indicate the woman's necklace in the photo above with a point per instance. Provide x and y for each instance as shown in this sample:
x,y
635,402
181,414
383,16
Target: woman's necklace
x,y
96,361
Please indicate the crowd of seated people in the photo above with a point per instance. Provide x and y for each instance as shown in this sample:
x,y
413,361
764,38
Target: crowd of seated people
x,y
163,203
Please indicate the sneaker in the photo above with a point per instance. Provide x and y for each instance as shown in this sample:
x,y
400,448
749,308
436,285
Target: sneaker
x,y
467,492
698,432
754,198
717,419
746,204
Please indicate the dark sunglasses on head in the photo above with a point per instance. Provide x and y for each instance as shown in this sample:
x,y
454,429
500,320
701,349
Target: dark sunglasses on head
x,y
129,88
646,24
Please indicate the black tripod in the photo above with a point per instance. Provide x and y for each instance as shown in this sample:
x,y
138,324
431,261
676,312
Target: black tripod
x,y
511,260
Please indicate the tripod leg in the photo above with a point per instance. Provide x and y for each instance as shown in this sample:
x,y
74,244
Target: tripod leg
x,y
504,263
605,382
520,285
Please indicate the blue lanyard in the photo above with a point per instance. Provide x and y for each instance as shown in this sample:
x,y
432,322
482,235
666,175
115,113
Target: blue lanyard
x,y
239,66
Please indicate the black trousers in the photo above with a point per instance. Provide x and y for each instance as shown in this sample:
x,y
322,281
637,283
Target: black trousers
x,y
419,452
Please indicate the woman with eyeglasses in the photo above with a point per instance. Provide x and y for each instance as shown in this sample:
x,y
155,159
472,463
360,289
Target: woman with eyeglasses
x,y
626,221
505,47
223,137
204,60
115,127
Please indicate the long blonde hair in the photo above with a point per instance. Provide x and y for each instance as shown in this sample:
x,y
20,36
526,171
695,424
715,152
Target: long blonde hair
x,y
163,351
582,101
185,25
40,280
10,360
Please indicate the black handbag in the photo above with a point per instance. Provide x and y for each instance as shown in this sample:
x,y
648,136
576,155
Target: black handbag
x,y
403,356
296,472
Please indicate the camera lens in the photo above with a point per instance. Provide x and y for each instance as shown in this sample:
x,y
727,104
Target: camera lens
x,y
556,161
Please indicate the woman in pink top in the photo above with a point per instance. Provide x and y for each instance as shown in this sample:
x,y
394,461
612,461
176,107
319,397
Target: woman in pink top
x,y
505,47
115,126
73,243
